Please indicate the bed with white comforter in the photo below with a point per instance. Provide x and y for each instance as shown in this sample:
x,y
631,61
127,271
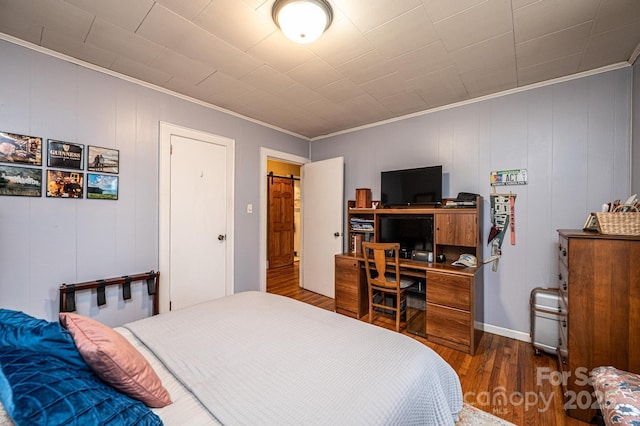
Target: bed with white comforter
x,y
257,358
248,359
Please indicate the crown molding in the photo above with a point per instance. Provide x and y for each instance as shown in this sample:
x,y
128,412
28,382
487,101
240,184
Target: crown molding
x,y
483,98
79,62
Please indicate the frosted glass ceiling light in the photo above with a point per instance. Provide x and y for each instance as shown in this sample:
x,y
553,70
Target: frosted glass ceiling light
x,y
302,21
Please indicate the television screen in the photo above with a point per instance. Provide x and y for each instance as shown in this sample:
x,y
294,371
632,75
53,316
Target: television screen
x,y
421,186
413,232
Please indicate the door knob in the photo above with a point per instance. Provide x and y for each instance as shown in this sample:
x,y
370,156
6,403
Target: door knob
x,y
222,237
336,234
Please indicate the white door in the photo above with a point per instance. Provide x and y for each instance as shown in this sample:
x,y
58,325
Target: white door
x,y
197,252
322,213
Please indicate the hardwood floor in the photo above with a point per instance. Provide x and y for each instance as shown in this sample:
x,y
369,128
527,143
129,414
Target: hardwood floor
x,y
504,378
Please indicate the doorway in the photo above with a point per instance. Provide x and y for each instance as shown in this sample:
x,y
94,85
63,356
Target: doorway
x,y
283,217
195,216
269,157
321,216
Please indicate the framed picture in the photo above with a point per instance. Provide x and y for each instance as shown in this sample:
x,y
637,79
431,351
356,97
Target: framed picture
x,y
65,154
64,184
103,160
20,149
21,181
102,187
591,223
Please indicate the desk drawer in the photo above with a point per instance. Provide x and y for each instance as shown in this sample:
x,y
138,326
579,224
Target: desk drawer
x,y
449,290
346,298
347,286
346,270
449,324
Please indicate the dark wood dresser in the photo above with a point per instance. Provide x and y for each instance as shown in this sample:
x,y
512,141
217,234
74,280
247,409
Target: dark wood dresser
x,y
599,282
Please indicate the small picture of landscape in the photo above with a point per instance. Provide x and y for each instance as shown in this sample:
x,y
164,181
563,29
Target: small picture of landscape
x,y
102,187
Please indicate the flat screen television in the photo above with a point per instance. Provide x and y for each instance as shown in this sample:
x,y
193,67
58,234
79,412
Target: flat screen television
x,y
411,187
413,232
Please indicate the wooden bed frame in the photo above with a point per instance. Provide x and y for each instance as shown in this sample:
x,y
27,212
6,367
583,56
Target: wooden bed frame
x,y
68,291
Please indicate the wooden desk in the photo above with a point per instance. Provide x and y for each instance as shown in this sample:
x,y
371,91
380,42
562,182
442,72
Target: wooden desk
x,y
453,299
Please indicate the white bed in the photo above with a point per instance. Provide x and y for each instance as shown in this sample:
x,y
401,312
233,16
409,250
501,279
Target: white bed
x,y
260,359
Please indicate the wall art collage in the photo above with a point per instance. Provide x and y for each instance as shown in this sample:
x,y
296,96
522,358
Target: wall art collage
x,y
21,173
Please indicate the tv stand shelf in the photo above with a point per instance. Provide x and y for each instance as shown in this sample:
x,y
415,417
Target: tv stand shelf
x,y
456,230
446,313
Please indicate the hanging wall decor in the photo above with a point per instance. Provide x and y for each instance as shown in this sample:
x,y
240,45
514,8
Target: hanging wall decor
x,y
64,184
503,210
65,154
500,223
20,181
103,160
508,177
20,149
102,187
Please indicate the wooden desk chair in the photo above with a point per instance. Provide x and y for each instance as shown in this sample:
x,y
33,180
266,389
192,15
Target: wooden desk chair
x,y
381,282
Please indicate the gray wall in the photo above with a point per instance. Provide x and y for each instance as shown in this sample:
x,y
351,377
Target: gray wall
x,y
47,242
635,182
572,137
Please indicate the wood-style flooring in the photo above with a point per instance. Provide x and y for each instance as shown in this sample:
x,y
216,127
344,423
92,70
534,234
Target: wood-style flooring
x,y
504,377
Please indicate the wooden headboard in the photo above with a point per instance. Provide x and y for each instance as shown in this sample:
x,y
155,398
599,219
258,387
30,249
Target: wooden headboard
x,y
68,291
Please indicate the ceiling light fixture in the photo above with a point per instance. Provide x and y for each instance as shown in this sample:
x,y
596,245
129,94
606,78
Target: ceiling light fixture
x,y
302,21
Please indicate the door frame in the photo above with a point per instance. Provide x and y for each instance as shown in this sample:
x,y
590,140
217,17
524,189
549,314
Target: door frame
x,y
265,154
164,204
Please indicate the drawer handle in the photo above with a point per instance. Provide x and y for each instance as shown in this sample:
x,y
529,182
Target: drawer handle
x,y
564,323
564,286
564,252
560,277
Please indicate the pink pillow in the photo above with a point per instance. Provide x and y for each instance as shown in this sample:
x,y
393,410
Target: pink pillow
x,y
115,360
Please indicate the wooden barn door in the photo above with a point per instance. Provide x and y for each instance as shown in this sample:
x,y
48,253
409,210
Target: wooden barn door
x,y
281,229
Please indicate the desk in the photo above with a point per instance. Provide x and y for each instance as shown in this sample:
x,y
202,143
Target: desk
x,y
454,299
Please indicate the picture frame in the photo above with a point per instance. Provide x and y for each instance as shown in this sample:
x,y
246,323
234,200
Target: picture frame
x,y
67,155
591,224
64,184
102,187
103,160
20,181
21,149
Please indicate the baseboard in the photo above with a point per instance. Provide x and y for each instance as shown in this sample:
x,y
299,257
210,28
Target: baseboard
x,y
506,332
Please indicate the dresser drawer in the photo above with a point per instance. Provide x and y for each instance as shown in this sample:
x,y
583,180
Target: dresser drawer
x,y
449,290
563,346
563,279
564,303
563,250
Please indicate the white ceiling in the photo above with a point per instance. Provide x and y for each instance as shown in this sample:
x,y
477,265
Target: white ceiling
x,y
380,59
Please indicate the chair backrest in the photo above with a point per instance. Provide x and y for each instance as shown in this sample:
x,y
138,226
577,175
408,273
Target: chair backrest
x,y
375,260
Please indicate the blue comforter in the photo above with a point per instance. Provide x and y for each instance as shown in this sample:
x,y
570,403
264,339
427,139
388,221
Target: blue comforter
x,y
45,381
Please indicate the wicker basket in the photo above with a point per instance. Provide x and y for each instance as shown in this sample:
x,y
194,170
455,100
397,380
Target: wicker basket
x,y
619,223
